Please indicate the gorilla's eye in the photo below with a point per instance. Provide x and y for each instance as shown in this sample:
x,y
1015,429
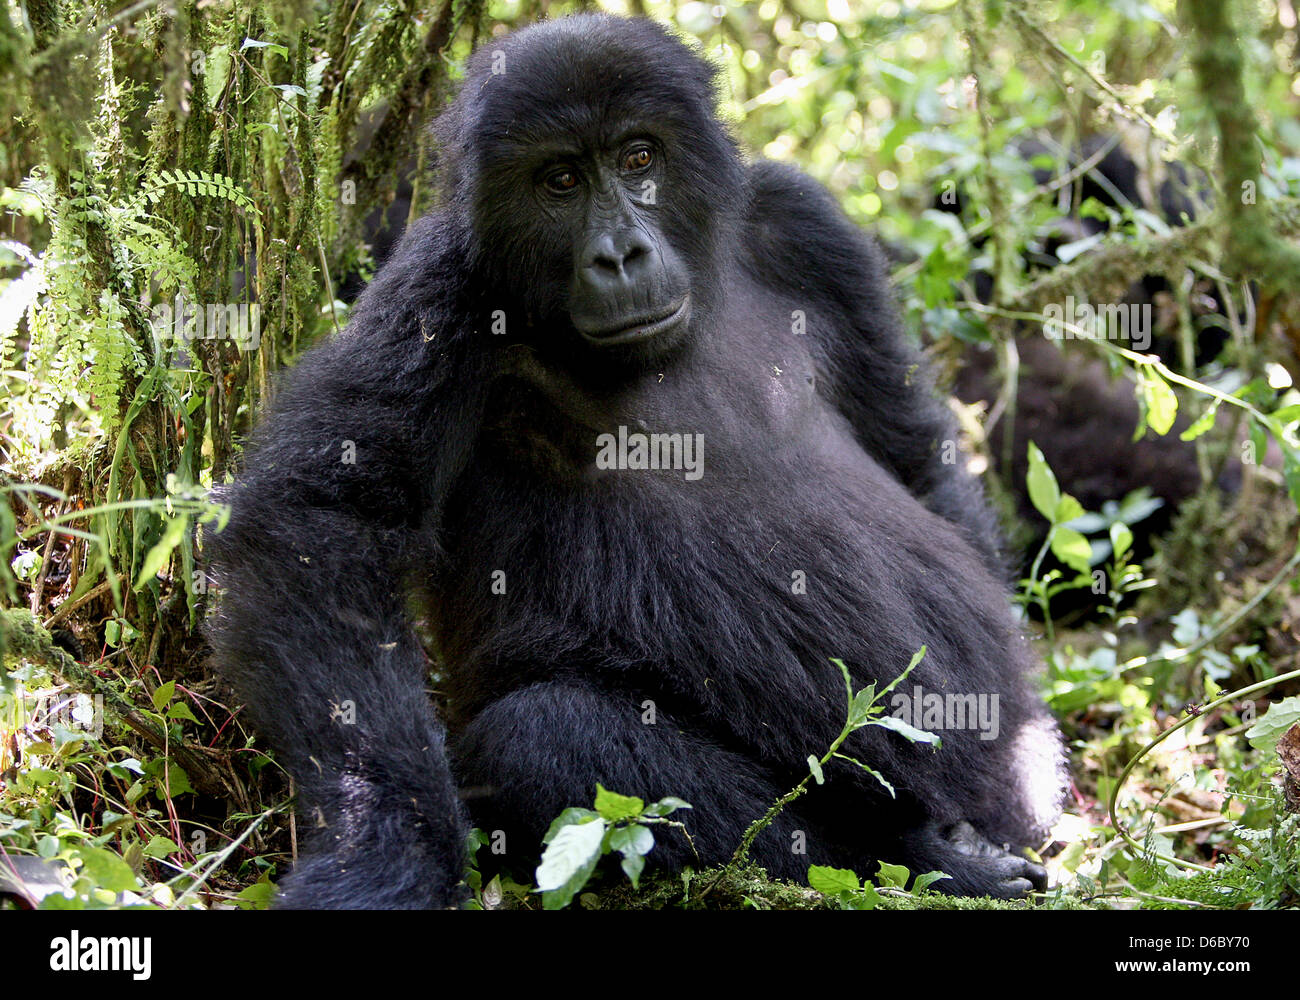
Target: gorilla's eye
x,y
561,181
638,158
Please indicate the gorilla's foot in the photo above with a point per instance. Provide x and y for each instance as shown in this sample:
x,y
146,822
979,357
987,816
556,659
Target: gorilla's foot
x,y
978,867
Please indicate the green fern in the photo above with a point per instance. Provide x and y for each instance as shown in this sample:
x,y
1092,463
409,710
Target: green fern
x,y
196,183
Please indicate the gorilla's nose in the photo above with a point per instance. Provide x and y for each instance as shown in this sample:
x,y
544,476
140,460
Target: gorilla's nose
x,y
615,261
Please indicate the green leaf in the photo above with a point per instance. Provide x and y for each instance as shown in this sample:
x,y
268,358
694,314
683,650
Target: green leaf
x,y
568,861
178,782
160,846
181,711
256,896
157,558
635,839
893,875
632,866
667,805
122,768
917,657
848,681
1121,539
871,771
927,880
865,899
1069,509
1072,549
614,807
163,695
106,870
833,881
1285,415
1280,717
1158,400
1044,492
863,707
907,730
569,817
815,766
1201,424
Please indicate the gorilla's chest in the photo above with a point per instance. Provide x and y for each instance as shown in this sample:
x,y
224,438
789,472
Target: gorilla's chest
x,y
708,500
742,399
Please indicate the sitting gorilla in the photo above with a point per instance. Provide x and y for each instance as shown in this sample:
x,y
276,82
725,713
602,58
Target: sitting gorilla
x,y
607,273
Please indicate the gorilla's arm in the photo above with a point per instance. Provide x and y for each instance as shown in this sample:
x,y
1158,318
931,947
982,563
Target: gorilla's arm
x,y
313,632
800,240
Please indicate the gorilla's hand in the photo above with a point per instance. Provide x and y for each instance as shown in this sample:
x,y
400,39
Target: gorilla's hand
x,y
977,866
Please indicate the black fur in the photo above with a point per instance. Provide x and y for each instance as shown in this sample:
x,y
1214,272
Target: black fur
x,y
475,453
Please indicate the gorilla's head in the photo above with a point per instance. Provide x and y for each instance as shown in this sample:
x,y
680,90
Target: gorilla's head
x,y
585,158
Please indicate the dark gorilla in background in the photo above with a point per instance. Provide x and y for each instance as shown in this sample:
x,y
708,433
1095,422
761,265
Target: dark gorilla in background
x,y
606,263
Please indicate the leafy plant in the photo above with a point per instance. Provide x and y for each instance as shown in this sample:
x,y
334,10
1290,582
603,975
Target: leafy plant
x,y
579,838
865,708
854,893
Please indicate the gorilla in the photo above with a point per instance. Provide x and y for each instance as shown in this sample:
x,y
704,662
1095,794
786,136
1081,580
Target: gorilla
x,y
628,432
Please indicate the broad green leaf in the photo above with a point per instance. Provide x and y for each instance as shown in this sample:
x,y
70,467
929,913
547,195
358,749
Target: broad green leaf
x,y
895,875
178,782
181,711
1044,492
1068,509
927,880
257,896
160,846
1280,717
107,870
569,817
632,866
163,695
862,708
614,807
1285,415
568,861
865,899
630,840
1072,549
833,881
1159,401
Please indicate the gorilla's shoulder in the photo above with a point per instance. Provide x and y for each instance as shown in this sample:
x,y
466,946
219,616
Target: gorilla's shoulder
x,y
779,186
421,287
793,223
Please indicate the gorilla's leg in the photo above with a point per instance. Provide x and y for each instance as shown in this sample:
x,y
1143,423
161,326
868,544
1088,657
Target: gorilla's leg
x,y
528,756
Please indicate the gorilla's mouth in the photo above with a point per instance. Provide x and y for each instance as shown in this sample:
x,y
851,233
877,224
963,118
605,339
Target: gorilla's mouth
x,y
641,327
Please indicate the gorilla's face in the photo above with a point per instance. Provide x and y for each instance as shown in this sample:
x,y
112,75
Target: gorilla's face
x,y
600,186
628,283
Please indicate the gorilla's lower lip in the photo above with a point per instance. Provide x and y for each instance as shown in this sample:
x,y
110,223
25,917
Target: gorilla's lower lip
x,y
642,328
